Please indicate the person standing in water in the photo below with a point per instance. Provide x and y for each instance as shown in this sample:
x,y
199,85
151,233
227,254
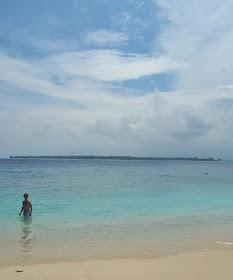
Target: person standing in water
x,y
27,206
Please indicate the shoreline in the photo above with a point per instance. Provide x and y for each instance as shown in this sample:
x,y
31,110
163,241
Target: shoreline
x,y
208,265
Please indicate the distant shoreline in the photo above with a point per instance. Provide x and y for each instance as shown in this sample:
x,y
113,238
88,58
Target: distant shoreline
x,y
114,158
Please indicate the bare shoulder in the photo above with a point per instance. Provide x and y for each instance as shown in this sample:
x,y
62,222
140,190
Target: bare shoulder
x,y
29,202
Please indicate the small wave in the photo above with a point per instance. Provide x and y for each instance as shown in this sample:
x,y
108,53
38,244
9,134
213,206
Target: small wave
x,y
224,243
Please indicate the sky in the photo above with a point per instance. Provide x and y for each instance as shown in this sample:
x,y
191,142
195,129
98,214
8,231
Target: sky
x,y
116,77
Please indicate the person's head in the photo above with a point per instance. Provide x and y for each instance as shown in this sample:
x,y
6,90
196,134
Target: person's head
x,y
25,196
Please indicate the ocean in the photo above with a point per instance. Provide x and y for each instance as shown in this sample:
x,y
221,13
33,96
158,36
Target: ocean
x,y
111,209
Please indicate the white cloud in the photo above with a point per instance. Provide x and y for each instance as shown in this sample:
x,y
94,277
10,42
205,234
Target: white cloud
x,y
187,123
157,123
71,69
111,65
106,38
201,34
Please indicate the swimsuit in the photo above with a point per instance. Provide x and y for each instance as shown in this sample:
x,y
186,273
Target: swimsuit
x,y
26,214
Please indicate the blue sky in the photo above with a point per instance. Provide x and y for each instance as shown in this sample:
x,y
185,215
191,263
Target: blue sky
x,y
116,77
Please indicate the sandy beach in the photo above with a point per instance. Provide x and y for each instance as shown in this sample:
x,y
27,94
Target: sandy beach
x,y
209,265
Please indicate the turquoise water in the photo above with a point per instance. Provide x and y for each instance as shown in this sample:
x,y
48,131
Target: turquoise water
x,y
102,209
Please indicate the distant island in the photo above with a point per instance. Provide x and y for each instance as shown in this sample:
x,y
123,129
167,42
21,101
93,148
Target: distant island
x,y
115,158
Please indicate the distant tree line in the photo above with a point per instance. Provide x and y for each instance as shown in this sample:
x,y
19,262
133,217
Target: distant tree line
x,y
116,158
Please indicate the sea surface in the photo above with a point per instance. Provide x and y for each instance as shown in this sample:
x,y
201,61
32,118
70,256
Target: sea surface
x,y
108,209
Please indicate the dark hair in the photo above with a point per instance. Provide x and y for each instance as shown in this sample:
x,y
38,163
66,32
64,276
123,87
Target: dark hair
x,y
25,195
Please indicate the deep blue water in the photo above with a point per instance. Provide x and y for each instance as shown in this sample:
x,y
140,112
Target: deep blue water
x,y
93,209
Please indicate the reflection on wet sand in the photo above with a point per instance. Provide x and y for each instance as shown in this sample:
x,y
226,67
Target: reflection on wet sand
x,y
25,241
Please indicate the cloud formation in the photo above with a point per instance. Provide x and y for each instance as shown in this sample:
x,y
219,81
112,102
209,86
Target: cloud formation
x,y
90,97
200,34
99,65
106,38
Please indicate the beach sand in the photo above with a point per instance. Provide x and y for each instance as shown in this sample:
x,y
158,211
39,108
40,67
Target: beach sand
x,y
209,265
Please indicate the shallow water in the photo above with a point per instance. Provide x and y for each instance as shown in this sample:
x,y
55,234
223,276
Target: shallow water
x,y
101,209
